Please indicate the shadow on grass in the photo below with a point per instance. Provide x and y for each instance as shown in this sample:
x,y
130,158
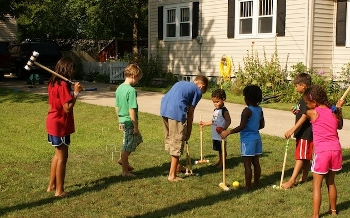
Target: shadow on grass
x,y
16,96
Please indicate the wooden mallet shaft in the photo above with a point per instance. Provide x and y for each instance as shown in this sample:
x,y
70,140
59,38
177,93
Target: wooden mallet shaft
x,y
345,93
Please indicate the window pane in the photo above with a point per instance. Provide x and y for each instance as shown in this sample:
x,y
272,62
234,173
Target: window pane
x,y
185,14
246,9
171,30
245,26
184,29
265,25
265,7
171,16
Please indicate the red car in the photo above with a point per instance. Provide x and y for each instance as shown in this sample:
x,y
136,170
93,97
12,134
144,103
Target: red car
x,y
5,60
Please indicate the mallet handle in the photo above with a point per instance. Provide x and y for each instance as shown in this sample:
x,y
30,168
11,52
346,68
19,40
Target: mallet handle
x,y
201,138
53,72
345,93
223,162
284,162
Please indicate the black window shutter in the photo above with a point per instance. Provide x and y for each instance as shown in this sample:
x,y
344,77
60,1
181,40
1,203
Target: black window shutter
x,y
160,23
341,23
231,19
195,19
281,18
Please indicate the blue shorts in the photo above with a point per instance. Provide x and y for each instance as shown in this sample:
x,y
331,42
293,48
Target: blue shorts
x,y
130,141
251,148
217,145
58,141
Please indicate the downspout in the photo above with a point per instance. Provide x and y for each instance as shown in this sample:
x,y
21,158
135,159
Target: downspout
x,y
199,38
307,18
149,31
311,35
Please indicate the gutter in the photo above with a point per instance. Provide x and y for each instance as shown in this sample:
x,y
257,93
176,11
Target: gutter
x,y
310,35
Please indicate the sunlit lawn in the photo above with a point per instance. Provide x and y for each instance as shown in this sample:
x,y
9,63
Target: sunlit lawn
x,y
97,189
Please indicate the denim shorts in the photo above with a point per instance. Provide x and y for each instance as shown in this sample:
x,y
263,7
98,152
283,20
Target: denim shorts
x,y
58,141
130,141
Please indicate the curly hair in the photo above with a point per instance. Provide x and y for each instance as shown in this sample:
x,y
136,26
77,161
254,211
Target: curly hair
x,y
219,93
252,94
318,94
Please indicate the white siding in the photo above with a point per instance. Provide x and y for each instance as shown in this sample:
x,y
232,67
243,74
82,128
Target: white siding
x,y
183,57
323,35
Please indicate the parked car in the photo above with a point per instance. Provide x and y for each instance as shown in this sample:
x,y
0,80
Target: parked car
x,y
5,59
49,54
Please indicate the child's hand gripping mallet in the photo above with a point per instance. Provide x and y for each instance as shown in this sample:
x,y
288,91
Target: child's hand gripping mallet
x,y
223,183
201,144
32,61
189,171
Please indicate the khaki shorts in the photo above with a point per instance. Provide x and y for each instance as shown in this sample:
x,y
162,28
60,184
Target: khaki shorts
x,y
175,134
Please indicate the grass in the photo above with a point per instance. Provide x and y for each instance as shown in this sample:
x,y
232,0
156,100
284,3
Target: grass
x,y
97,189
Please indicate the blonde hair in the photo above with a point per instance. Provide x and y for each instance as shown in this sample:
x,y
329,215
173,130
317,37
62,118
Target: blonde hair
x,y
132,70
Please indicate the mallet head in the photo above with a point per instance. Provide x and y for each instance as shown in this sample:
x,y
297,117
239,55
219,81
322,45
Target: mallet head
x,y
31,60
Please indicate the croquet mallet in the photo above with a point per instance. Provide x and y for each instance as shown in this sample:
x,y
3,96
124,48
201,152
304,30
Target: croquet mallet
x,y
284,162
201,144
32,60
223,183
189,171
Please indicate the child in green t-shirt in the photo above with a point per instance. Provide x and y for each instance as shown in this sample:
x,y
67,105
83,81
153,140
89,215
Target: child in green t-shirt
x,y
127,112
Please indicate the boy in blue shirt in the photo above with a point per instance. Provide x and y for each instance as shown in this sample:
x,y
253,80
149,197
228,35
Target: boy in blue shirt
x,y
177,109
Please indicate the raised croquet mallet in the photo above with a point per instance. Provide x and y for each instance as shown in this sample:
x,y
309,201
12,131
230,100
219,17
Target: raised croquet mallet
x,y
32,60
201,144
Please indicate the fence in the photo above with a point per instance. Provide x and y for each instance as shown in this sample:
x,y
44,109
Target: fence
x,y
115,70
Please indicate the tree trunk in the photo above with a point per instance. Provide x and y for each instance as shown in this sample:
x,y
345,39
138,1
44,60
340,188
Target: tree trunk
x,y
135,50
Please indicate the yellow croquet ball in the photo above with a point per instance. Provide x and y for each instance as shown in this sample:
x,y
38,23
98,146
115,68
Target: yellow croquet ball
x,y
235,184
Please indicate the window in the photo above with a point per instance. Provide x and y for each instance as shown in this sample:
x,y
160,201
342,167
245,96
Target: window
x,y
178,21
255,18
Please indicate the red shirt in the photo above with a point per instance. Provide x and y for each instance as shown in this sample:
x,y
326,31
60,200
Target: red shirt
x,y
58,122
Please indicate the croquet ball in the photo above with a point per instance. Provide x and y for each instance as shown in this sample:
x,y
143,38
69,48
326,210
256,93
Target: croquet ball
x,y
197,174
276,187
219,129
235,184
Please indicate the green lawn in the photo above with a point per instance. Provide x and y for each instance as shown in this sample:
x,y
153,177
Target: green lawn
x,y
97,189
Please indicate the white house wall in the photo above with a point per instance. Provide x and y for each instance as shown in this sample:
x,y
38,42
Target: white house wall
x,y
183,57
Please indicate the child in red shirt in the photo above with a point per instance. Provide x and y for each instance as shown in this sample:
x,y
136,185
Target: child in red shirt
x,y
60,121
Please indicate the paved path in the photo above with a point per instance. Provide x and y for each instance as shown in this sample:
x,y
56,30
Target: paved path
x,y
277,121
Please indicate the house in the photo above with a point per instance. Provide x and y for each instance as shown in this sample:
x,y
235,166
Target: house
x,y
191,37
117,48
8,30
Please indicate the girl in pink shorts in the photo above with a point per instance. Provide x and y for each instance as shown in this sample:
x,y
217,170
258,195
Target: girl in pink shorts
x,y
327,150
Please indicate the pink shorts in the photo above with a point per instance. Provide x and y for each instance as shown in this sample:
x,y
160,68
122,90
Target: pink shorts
x,y
303,149
326,161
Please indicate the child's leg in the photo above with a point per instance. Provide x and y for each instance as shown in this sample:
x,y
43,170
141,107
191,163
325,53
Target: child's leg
x,y
332,192
247,160
173,166
306,169
297,167
257,170
316,194
125,164
62,155
52,182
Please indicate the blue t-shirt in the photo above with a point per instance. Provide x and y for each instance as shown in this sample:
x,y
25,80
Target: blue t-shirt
x,y
251,130
175,102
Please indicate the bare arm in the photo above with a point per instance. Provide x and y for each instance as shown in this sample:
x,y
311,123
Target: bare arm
x,y
262,121
300,122
190,114
68,107
246,114
227,119
133,117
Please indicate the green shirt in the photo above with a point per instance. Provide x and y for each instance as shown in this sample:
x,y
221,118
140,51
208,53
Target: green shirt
x,y
126,98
